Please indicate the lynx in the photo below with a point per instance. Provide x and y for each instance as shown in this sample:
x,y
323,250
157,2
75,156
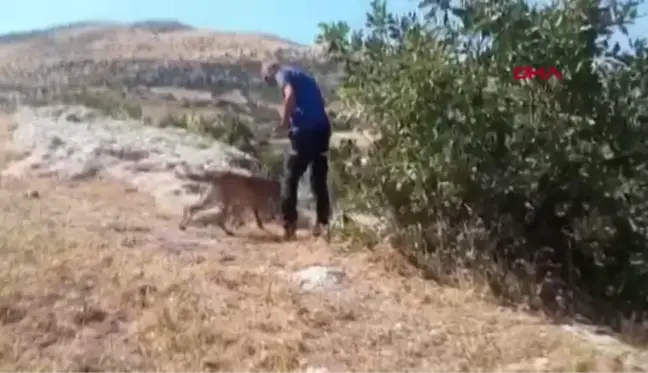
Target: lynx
x,y
236,192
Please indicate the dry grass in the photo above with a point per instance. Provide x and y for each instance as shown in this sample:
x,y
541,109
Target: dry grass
x,y
92,279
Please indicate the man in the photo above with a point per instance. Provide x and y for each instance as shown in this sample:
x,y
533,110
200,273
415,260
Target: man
x,y
304,115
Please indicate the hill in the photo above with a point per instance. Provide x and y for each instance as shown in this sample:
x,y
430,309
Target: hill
x,y
44,65
18,36
110,53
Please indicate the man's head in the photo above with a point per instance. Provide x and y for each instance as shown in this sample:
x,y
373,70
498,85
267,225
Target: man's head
x,y
269,71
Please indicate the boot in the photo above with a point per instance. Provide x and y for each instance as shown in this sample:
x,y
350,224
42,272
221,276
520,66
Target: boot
x,y
290,231
320,228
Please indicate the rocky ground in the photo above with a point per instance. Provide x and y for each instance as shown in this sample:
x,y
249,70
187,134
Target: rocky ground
x,y
95,275
75,143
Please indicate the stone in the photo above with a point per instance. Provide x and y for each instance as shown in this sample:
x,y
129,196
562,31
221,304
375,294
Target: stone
x,y
319,277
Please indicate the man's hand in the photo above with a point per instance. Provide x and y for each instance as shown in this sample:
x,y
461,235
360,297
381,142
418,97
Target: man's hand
x,y
280,130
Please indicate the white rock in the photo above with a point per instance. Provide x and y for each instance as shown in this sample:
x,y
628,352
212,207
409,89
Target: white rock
x,y
311,369
322,277
78,143
539,365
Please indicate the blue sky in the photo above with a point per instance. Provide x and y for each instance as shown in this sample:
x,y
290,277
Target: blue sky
x,y
293,19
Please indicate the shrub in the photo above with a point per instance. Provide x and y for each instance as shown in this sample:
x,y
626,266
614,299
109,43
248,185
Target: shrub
x,y
554,171
272,163
230,130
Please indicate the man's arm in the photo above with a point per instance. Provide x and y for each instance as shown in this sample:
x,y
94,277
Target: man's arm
x,y
322,95
289,100
288,104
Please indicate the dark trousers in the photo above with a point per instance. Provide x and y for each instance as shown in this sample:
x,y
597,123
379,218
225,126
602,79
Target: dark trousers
x,y
309,148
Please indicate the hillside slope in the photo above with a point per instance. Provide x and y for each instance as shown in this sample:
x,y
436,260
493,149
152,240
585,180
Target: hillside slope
x,y
94,278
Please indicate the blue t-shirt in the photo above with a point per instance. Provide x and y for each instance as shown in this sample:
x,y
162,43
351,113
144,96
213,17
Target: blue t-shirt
x,y
310,111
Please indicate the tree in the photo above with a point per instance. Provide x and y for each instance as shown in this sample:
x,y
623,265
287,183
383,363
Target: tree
x,y
554,167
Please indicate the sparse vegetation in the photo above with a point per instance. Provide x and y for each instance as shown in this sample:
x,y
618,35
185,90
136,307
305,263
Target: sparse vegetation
x,y
520,182
109,102
232,130
203,125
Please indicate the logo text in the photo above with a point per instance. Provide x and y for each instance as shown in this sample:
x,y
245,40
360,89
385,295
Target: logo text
x,y
530,72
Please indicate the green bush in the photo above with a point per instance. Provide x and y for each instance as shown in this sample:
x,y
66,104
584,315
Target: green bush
x,y
230,130
554,172
272,163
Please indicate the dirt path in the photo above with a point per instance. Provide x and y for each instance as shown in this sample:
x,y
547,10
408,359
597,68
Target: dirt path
x,y
92,278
